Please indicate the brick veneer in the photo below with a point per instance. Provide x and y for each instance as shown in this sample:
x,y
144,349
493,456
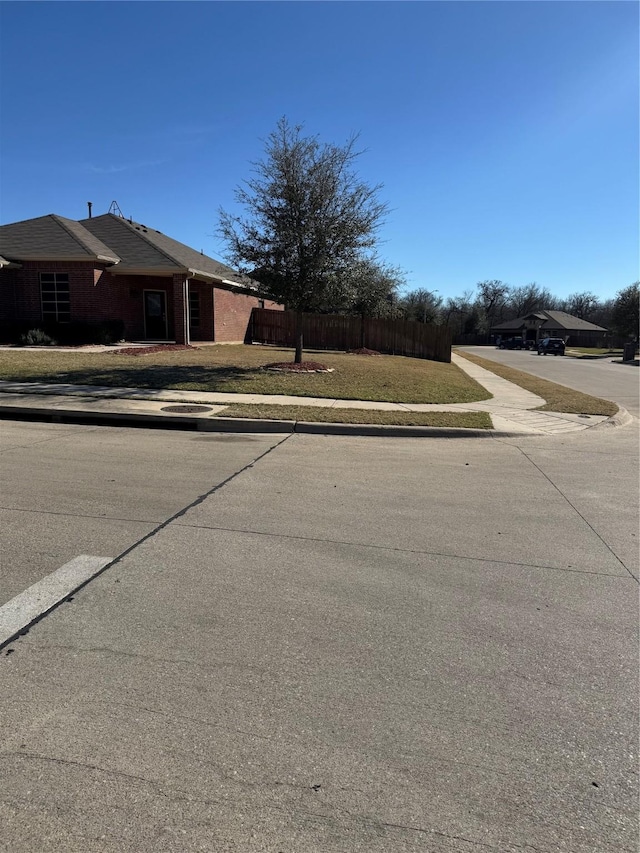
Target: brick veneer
x,y
97,294
126,298
203,332
87,300
231,314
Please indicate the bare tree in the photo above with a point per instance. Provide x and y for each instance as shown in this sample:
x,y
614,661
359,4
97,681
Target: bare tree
x,y
457,311
581,305
421,305
525,299
492,295
603,313
372,290
308,219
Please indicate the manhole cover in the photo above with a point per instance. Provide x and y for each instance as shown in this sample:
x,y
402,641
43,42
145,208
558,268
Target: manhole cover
x,y
186,410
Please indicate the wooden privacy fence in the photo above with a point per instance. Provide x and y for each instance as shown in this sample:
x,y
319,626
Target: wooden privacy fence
x,y
335,331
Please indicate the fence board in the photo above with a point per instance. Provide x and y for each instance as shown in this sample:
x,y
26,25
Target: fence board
x,y
339,332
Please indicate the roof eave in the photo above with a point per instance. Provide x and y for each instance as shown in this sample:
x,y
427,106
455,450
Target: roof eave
x,y
225,282
238,285
49,258
155,271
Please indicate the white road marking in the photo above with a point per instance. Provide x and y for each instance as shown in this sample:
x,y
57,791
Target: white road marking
x,y
35,601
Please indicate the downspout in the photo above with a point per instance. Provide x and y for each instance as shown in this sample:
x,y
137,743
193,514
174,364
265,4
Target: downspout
x,y
187,310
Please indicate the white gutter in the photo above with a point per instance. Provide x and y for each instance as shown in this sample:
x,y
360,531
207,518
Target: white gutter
x,y
238,284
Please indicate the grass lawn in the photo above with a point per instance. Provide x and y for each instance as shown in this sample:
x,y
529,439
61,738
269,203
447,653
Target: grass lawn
x,y
594,351
237,369
318,414
559,398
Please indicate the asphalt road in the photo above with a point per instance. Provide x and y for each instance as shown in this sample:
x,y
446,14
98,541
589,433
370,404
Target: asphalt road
x,y
322,643
606,378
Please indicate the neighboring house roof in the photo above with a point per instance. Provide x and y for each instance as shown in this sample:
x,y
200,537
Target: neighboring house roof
x,y
549,320
142,248
52,238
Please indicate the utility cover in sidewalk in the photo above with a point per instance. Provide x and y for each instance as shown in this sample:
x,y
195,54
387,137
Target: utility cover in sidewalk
x,y
186,410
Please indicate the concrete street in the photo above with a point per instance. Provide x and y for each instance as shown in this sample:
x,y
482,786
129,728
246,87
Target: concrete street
x,y
600,377
322,643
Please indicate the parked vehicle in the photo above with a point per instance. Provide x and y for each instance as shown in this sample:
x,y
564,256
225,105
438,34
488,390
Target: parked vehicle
x,y
551,345
512,343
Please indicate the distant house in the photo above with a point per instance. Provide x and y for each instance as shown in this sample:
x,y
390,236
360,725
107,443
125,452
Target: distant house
x,y
551,324
107,268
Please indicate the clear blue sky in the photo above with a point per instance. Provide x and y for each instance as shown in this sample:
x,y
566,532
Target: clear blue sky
x,y
505,133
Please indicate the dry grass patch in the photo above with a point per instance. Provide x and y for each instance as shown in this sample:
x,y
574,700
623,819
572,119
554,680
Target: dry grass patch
x,y
580,352
559,398
239,369
319,414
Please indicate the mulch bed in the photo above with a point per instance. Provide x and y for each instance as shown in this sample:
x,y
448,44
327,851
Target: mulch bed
x,y
149,350
303,367
363,351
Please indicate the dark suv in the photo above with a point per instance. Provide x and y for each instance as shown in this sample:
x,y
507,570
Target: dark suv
x,y
551,345
511,343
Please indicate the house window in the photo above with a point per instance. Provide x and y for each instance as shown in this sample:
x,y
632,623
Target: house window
x,y
54,293
194,309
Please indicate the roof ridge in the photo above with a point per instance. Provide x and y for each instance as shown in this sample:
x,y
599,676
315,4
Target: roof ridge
x,y
146,239
61,223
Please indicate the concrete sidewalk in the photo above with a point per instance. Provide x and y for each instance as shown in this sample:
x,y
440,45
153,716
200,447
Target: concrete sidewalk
x,y
512,409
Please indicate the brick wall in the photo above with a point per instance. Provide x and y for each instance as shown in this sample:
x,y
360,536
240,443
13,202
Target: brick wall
x,y
8,294
204,331
123,298
232,312
25,302
97,294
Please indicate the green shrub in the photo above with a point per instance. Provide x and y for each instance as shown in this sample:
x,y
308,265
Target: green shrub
x,y
79,332
37,338
75,333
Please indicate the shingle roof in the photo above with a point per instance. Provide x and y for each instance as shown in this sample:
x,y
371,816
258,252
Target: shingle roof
x,y
568,321
52,238
142,247
129,246
551,320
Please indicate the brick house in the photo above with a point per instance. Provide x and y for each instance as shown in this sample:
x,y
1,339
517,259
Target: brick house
x,y
106,268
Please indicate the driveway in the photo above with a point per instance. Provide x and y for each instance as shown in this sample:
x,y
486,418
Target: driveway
x,y
600,377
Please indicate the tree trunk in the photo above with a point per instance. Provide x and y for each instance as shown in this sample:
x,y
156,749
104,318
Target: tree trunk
x,y
362,332
298,356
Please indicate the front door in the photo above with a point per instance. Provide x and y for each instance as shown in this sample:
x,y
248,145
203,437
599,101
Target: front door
x,y
155,315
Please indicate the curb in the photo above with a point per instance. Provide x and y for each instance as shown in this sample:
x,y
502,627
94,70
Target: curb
x,y
620,419
82,417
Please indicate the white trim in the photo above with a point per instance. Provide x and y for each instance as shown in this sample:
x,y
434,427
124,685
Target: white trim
x,y
186,311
